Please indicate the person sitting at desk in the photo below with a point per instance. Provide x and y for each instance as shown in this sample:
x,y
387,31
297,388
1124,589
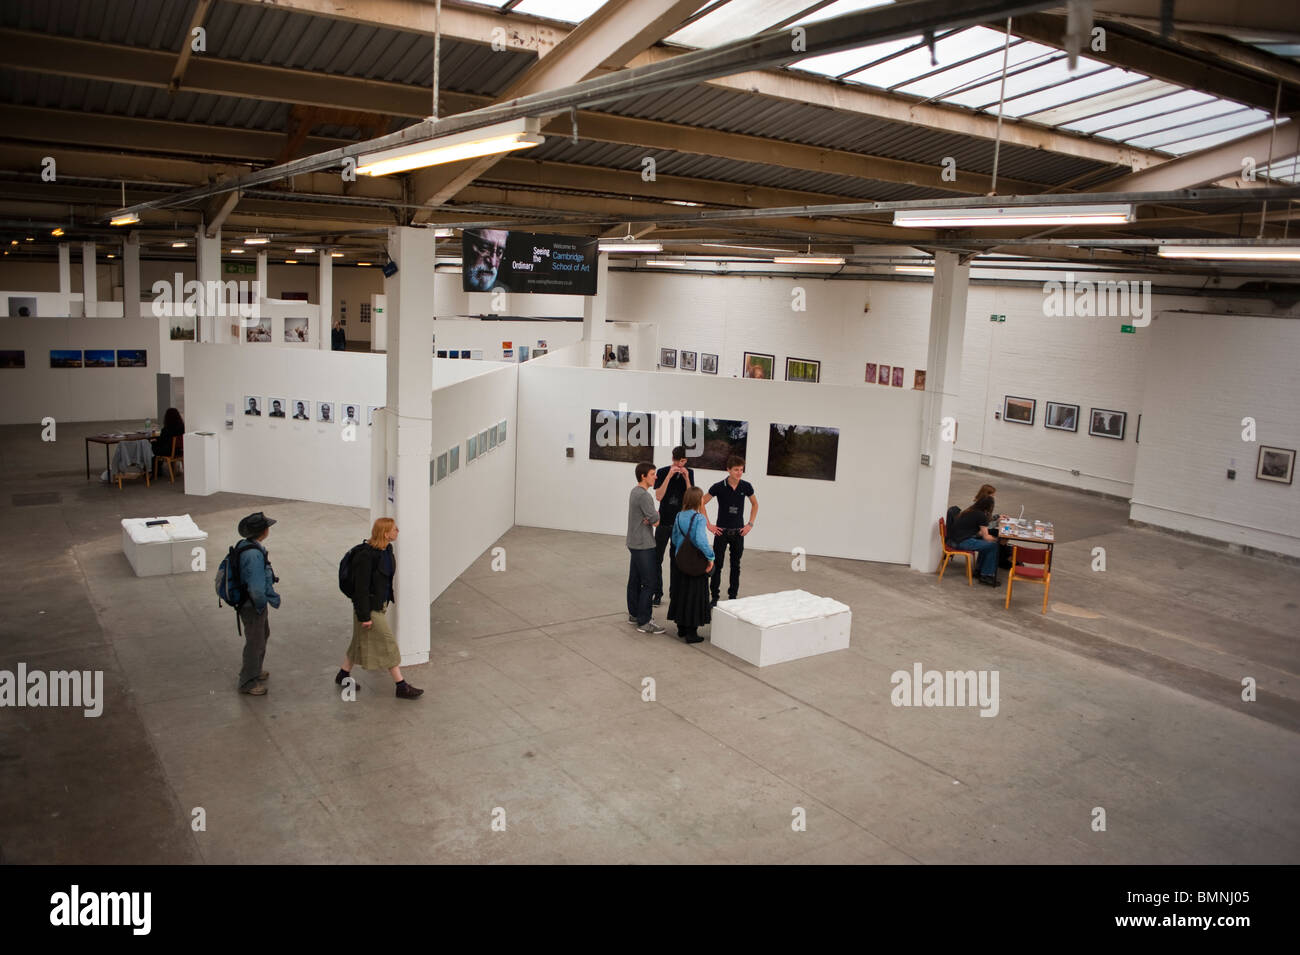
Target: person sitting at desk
x,y
173,427
969,531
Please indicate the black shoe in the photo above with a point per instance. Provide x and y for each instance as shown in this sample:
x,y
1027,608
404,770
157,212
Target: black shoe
x,y
713,602
989,581
345,675
407,692
695,638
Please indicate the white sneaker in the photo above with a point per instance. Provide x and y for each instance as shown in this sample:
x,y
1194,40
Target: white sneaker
x,y
650,627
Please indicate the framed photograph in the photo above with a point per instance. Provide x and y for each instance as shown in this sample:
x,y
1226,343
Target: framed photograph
x,y
688,361
501,432
668,358
464,353
132,358
523,353
1107,424
453,459
476,354
710,441
253,405
624,356
492,436
440,353
65,357
295,330
1019,410
351,413
453,353
898,376
100,358
277,408
802,451
13,358
261,332
325,412
803,369
624,436
884,375
442,466
301,409
370,414
1275,464
918,380
539,352
709,364
22,307
182,328
758,366
870,377
483,446
1061,417
471,448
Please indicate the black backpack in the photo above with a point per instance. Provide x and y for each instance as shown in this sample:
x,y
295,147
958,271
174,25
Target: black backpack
x,y
345,571
230,589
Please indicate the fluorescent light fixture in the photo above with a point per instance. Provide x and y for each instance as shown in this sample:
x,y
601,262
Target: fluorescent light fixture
x,y
290,261
13,241
809,260
111,255
236,251
622,245
1003,216
681,202
443,233
1254,253
256,240
179,245
31,238
488,141
915,269
336,255
129,218
57,232
303,251
670,263
365,263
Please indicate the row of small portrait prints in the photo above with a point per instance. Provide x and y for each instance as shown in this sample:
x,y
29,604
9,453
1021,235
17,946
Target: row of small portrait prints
x,y
476,445
300,409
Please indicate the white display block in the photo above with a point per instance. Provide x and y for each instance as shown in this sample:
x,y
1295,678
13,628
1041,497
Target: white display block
x,y
162,548
779,627
202,463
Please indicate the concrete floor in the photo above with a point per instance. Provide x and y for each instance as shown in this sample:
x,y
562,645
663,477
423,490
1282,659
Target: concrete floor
x,y
1125,696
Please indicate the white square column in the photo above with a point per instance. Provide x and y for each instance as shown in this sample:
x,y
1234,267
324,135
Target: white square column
x,y
65,273
942,381
325,296
210,328
89,281
409,296
131,278
595,308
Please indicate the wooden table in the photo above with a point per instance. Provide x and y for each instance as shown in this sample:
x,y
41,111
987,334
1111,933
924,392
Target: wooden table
x,y
108,440
1016,535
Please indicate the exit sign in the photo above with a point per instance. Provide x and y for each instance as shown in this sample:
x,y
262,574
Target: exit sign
x,y
240,268
997,318
1127,329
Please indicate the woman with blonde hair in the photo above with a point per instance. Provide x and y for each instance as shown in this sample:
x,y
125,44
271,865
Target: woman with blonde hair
x,y
373,645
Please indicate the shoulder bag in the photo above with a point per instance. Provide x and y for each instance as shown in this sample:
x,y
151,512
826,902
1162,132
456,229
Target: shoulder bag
x,y
690,561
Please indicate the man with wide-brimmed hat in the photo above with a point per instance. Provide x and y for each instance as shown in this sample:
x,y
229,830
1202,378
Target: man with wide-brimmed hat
x,y
258,581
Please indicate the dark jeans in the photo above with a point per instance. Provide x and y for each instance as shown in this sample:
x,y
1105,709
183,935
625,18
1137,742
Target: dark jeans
x,y
641,579
721,542
663,540
257,628
988,551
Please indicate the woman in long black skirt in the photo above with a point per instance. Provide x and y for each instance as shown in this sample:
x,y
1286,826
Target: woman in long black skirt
x,y
688,602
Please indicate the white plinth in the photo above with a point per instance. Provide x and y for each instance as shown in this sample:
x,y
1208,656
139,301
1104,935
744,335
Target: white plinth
x,y
779,627
163,548
202,465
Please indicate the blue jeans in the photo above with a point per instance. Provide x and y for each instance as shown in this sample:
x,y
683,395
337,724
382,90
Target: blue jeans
x,y
642,578
988,551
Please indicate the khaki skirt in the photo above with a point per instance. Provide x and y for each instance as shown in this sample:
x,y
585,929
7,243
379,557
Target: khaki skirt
x,y
376,648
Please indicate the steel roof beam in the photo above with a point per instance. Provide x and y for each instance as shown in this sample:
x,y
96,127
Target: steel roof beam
x,y
1217,162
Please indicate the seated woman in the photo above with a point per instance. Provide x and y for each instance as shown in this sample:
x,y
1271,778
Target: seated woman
x,y
970,531
688,596
173,427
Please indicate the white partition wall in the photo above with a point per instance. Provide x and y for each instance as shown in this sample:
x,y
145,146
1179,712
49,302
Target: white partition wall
x,y
280,457
865,513
1205,375
486,335
77,394
473,506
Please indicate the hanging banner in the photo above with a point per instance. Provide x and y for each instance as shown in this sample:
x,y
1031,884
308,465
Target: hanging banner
x,y
527,262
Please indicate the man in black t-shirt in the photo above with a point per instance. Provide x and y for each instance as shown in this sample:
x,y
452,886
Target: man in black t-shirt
x,y
671,484
731,528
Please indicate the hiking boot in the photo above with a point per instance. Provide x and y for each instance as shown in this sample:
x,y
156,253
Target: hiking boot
x,y
407,692
256,689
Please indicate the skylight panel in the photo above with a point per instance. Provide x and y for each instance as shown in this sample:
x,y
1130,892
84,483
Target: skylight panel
x,y
1156,97
904,72
1203,135
737,20
1086,85
569,11
1160,120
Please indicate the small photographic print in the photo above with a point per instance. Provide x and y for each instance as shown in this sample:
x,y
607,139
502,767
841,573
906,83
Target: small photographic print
x,y
688,361
301,408
100,358
22,307
668,358
884,375
277,408
898,376
501,432
803,369
351,413
624,356
370,414
1019,410
758,366
13,358
253,405
65,358
1107,424
453,459
1061,417
325,412
871,373
1275,464
918,380
471,448
261,332
132,357
442,466
441,353
295,330
709,364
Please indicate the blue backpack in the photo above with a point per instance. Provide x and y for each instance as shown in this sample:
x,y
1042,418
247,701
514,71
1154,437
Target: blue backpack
x,y
230,589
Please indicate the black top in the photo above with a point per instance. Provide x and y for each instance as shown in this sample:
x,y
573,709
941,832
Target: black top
x,y
163,443
731,503
372,580
671,505
967,524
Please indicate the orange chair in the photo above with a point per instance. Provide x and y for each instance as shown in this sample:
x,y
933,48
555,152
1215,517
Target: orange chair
x,y
177,457
949,554
1030,563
